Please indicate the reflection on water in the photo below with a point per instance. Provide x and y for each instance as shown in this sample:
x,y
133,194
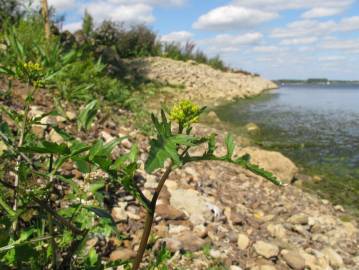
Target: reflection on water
x,y
316,126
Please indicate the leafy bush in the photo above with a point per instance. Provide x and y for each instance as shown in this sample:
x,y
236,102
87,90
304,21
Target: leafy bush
x,y
86,79
186,52
135,41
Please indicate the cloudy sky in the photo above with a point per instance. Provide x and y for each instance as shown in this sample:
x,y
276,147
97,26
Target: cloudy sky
x,y
276,38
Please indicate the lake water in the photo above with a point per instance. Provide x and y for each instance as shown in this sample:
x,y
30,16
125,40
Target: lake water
x,y
316,126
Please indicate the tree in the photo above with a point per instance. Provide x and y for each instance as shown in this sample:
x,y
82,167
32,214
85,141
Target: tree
x,y
45,15
87,24
9,10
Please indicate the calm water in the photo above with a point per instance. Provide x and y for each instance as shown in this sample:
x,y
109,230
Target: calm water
x,y
316,126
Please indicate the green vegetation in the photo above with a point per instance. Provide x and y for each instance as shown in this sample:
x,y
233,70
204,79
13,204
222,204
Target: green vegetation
x,y
47,215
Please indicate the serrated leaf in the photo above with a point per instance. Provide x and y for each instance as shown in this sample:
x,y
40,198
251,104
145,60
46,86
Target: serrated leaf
x,y
166,148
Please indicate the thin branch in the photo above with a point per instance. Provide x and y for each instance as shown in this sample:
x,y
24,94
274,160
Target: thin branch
x,y
11,246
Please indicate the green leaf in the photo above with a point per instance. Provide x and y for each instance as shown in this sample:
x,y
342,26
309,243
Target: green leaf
x,y
131,157
99,212
6,71
82,165
6,207
87,115
66,136
230,146
166,148
94,187
245,163
92,258
47,147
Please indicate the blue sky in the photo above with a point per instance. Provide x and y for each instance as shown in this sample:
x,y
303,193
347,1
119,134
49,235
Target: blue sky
x,y
276,38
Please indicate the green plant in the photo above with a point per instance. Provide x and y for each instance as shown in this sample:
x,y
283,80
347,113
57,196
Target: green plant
x,y
175,146
87,24
35,230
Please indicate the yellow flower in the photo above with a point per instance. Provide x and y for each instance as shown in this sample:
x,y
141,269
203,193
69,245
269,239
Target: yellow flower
x,y
185,113
31,67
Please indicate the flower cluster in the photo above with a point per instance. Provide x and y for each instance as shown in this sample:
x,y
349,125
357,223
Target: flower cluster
x,y
185,113
33,73
31,67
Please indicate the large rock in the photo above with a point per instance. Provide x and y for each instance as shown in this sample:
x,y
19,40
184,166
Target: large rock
x,y
266,250
191,202
168,212
186,241
252,128
274,162
122,254
293,259
300,219
335,260
277,231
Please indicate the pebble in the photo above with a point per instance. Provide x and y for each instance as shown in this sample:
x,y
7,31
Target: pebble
x,y
265,249
300,219
242,241
122,254
293,259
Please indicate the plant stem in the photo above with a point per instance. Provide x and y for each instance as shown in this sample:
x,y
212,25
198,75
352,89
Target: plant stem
x,y
53,242
18,160
149,219
51,222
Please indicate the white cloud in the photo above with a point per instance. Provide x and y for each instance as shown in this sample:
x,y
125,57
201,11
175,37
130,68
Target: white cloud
x,y
72,27
180,36
150,2
337,44
331,58
315,28
226,43
132,14
321,12
299,41
304,28
230,17
266,49
349,24
278,5
61,5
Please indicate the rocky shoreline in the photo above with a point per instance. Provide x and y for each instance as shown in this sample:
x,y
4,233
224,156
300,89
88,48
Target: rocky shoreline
x,y
222,214
248,223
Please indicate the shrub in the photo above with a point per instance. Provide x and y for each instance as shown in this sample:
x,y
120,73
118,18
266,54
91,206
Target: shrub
x,y
134,41
85,79
217,63
186,52
87,24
